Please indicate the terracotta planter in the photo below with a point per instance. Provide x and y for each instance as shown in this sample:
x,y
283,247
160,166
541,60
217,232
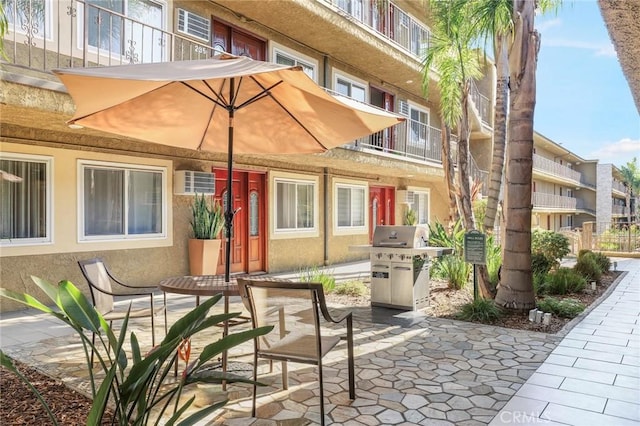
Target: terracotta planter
x,y
203,256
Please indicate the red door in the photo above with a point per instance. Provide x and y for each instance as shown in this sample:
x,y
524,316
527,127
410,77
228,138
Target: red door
x,y
231,40
381,207
248,235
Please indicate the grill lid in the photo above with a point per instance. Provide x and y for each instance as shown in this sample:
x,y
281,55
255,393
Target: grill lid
x,y
405,236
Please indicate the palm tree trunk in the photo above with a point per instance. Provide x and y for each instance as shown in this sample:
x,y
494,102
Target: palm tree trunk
x,y
449,173
499,134
464,184
516,285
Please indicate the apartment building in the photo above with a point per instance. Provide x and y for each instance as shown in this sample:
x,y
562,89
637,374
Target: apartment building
x,y
564,186
611,200
295,211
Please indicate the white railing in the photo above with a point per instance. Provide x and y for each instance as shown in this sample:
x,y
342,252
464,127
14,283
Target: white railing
x,y
551,167
482,104
619,186
389,21
44,35
541,199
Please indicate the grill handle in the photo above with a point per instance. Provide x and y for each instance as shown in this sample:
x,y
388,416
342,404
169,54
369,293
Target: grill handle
x,y
402,268
391,244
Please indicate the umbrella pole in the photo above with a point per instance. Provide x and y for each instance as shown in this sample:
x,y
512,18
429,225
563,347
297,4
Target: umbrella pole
x,y
228,215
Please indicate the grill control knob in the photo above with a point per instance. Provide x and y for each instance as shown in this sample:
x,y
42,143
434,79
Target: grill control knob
x,y
379,255
390,255
402,257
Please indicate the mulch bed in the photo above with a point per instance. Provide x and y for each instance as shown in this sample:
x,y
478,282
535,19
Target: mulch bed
x,y
19,405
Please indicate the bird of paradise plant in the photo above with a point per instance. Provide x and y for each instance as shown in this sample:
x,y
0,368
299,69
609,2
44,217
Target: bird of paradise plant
x,y
134,383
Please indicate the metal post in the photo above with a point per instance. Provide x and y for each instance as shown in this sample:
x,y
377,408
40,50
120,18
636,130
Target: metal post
x,y
475,283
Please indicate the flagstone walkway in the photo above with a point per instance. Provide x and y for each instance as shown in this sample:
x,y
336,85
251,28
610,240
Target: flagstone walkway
x,y
412,369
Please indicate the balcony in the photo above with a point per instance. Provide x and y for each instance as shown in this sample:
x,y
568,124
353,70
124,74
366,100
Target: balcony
x,y
618,186
561,172
60,34
543,201
618,210
389,21
410,139
482,105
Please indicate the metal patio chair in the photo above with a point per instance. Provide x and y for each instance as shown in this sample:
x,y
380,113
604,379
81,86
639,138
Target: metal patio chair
x,y
100,281
295,310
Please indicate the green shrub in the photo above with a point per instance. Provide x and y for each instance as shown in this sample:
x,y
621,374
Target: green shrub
x,y
539,280
439,236
603,262
453,269
494,260
587,266
565,308
351,288
563,281
550,244
315,275
480,310
540,264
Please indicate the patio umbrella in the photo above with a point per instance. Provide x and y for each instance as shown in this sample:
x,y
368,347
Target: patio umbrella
x,y
223,104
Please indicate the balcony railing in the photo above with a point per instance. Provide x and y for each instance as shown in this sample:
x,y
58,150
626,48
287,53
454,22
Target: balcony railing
x,y
619,186
552,201
618,210
482,104
389,21
45,34
408,139
551,167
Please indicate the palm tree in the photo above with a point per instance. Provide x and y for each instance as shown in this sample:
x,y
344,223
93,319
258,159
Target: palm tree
x,y
456,63
516,285
631,176
452,56
493,21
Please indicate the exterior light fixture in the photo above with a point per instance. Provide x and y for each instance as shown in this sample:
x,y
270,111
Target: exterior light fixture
x,y
75,126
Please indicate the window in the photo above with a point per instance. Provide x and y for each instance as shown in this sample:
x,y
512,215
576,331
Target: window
x,y
350,202
295,205
194,25
138,39
25,199
351,88
420,205
122,202
32,18
283,58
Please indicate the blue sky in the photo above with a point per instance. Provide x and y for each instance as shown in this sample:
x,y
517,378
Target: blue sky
x,y
583,100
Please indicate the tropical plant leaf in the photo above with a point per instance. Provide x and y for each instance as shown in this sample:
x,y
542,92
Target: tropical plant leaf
x,y
185,325
230,341
77,307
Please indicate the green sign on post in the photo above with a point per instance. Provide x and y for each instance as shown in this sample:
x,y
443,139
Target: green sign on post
x,y
475,246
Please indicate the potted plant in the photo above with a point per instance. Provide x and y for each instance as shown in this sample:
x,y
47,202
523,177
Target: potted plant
x,y
204,246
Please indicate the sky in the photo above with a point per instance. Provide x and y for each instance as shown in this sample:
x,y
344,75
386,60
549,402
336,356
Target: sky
x,y
583,100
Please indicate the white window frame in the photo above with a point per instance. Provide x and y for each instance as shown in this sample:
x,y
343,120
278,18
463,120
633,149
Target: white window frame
x,y
411,107
188,34
350,230
120,57
427,194
47,22
290,233
278,49
48,238
82,238
353,81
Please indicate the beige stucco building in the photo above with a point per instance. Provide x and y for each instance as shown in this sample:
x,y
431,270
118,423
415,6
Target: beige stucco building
x,y
84,193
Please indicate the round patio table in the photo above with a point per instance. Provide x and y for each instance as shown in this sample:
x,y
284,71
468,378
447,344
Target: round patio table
x,y
206,285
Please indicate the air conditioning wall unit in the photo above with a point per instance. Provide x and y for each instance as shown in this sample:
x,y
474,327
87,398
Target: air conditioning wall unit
x,y
191,182
404,196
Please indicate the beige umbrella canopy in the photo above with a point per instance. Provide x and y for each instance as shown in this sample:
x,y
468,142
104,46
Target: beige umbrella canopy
x,y
224,104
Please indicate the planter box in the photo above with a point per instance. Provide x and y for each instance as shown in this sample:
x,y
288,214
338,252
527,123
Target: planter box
x,y
204,256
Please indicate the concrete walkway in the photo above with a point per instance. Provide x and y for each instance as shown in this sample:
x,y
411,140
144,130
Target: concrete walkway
x,y
593,376
414,369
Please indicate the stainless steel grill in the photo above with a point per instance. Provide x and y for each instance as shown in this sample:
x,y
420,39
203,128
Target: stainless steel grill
x,y
400,266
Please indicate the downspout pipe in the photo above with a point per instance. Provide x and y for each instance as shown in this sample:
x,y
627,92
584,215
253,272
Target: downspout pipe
x,y
325,185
